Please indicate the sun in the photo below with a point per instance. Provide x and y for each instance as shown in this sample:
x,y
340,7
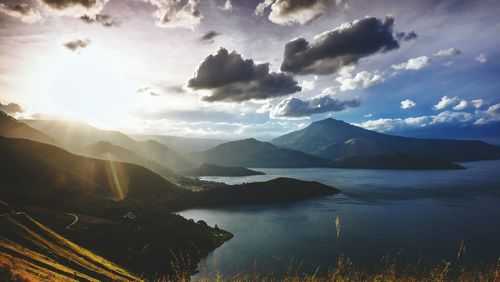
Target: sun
x,y
91,85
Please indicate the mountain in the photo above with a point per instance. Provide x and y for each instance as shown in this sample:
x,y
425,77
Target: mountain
x,y
43,175
10,127
253,153
108,151
182,144
217,170
75,135
336,139
103,206
277,190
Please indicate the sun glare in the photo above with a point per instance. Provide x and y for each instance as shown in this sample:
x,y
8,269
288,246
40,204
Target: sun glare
x,y
89,85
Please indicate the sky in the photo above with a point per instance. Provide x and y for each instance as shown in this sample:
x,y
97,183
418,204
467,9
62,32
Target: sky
x,y
231,69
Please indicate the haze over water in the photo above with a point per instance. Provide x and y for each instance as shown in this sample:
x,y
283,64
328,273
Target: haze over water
x,y
409,214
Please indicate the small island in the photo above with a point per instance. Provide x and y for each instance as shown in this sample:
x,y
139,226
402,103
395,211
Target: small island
x,y
218,170
280,189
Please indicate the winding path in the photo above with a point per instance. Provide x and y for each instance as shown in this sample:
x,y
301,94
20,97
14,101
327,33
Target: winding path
x,y
74,221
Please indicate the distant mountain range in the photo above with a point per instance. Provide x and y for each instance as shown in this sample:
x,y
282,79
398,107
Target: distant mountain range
x,y
74,136
334,139
182,144
253,153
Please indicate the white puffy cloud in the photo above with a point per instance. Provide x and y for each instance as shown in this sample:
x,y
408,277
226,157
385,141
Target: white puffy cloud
x,y
175,14
478,103
388,124
360,80
461,106
413,63
295,108
288,12
452,117
482,58
308,85
447,53
406,104
445,102
492,114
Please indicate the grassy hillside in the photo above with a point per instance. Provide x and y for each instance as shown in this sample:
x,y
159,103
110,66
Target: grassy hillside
x,y
336,139
253,153
31,251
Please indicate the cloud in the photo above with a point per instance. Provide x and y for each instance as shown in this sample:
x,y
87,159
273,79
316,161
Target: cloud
x,y
23,12
406,36
104,20
447,53
406,104
387,124
288,12
445,102
340,47
308,85
77,44
228,6
413,63
11,108
176,13
482,58
147,90
297,108
75,8
452,117
478,103
209,36
230,78
361,80
492,114
461,106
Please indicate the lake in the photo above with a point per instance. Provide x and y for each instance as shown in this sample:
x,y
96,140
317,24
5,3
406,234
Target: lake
x,y
407,215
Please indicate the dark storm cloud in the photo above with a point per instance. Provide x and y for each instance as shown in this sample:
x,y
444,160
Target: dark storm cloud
x,y
11,108
209,36
234,79
343,46
406,36
297,108
64,4
75,45
21,11
104,20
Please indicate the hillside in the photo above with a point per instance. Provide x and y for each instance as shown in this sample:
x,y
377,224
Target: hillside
x,y
12,128
253,153
31,251
217,170
74,135
336,139
276,190
57,187
44,175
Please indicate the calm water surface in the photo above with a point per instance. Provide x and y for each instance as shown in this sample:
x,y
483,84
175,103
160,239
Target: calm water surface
x,y
411,215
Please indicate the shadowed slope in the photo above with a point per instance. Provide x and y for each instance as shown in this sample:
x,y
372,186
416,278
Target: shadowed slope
x,y
10,127
43,175
253,153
